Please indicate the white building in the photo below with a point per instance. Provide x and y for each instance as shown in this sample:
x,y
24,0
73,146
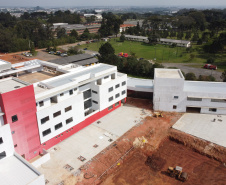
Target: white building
x,y
13,168
181,43
67,100
173,93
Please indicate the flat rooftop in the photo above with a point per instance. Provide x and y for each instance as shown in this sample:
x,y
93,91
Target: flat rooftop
x,y
81,59
67,78
205,126
168,73
205,87
137,84
9,84
35,77
14,171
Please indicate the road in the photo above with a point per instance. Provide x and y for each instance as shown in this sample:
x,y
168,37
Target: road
x,y
197,71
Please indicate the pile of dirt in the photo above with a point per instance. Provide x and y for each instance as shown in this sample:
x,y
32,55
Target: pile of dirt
x,y
155,162
199,145
139,142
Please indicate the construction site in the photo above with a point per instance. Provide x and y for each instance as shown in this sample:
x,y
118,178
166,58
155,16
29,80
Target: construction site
x,y
143,154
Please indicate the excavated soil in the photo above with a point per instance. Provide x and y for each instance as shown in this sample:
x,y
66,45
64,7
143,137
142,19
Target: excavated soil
x,y
143,154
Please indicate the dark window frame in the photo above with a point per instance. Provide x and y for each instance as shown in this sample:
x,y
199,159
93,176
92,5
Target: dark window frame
x,y
46,132
110,99
110,89
123,92
117,95
14,118
56,114
117,86
69,120
41,103
43,119
1,140
68,108
123,83
58,126
95,92
2,155
174,106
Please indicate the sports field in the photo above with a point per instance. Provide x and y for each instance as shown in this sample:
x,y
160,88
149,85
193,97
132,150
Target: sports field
x,y
160,53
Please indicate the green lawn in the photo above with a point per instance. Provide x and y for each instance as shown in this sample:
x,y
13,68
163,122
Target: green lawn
x,y
162,53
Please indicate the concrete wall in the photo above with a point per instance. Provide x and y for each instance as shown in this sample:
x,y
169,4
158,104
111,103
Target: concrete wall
x,y
104,93
7,144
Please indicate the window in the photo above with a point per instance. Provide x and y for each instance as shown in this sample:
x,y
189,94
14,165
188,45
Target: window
x,y
13,132
95,92
212,109
69,120
15,145
87,94
87,104
123,92
219,100
110,89
95,102
111,107
41,103
176,97
194,99
174,107
110,99
117,86
106,77
56,114
71,92
14,118
1,140
61,94
46,132
116,104
57,126
45,119
75,89
68,109
123,83
2,155
117,95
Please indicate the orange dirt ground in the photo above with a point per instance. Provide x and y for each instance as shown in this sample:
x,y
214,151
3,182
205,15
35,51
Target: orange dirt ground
x,y
14,58
122,164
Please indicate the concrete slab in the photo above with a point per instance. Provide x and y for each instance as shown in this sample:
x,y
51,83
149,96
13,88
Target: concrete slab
x,y
205,126
112,126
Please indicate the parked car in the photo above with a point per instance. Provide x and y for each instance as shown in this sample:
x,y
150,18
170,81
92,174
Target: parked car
x,y
63,54
57,53
28,55
85,49
210,66
123,55
51,52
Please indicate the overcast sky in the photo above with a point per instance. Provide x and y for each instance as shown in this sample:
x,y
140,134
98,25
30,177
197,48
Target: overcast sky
x,y
64,3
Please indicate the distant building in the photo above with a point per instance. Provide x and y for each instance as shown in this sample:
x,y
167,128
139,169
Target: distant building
x,y
123,27
181,43
93,28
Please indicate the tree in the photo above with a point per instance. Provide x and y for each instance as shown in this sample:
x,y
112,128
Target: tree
x,y
210,60
122,38
74,33
85,35
61,32
190,76
106,49
223,76
153,38
199,42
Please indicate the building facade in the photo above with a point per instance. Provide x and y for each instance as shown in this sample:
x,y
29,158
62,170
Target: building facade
x,y
45,113
173,93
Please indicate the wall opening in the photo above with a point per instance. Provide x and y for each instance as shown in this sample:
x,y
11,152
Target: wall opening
x,y
193,109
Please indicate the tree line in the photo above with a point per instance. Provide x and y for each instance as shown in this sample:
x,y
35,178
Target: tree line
x,y
131,65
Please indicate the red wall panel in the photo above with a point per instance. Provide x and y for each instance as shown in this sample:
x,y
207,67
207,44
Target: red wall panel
x,y
21,102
